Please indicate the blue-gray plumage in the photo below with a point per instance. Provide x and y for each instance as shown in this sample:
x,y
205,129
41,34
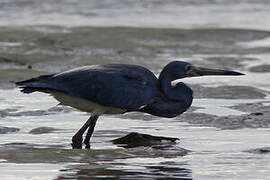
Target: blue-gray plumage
x,y
120,88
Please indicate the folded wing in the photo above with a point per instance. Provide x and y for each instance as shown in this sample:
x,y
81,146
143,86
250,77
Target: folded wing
x,y
121,86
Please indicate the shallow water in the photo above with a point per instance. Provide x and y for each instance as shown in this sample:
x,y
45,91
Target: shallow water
x,y
219,136
225,135
213,153
136,13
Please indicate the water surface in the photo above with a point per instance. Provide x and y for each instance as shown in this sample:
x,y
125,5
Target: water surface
x,y
225,135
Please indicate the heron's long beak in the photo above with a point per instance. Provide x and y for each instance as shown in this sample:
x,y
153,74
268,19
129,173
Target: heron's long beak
x,y
200,71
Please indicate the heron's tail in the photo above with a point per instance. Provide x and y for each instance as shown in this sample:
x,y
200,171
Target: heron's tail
x,y
40,83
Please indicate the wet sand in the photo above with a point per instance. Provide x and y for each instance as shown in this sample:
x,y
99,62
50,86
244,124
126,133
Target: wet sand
x,y
30,51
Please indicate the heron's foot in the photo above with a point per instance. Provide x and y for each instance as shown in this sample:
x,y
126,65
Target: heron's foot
x,y
87,142
87,146
77,142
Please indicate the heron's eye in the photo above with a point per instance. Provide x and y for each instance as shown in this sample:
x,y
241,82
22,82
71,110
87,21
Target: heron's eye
x,y
188,68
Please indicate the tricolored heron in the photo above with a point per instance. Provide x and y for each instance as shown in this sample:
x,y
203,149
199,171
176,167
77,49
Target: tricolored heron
x,y
120,88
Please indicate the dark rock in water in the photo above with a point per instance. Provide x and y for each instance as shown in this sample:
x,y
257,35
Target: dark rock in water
x,y
256,119
5,130
260,150
256,114
136,139
260,69
43,130
257,107
57,109
229,92
224,62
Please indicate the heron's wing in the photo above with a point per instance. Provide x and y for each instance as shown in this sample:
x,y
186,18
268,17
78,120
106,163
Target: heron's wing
x,y
122,86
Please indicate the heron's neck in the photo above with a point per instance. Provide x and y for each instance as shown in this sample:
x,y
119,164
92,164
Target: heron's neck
x,y
165,80
165,83
179,92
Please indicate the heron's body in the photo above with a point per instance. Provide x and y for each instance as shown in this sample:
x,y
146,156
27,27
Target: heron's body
x,y
115,86
84,105
119,88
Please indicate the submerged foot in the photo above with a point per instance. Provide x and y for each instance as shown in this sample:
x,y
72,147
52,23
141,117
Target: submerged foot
x,y
77,142
87,144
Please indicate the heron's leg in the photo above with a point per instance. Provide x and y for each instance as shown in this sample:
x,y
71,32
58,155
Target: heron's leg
x,y
77,138
90,131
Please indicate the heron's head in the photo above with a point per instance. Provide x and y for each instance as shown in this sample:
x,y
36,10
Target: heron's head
x,y
181,69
